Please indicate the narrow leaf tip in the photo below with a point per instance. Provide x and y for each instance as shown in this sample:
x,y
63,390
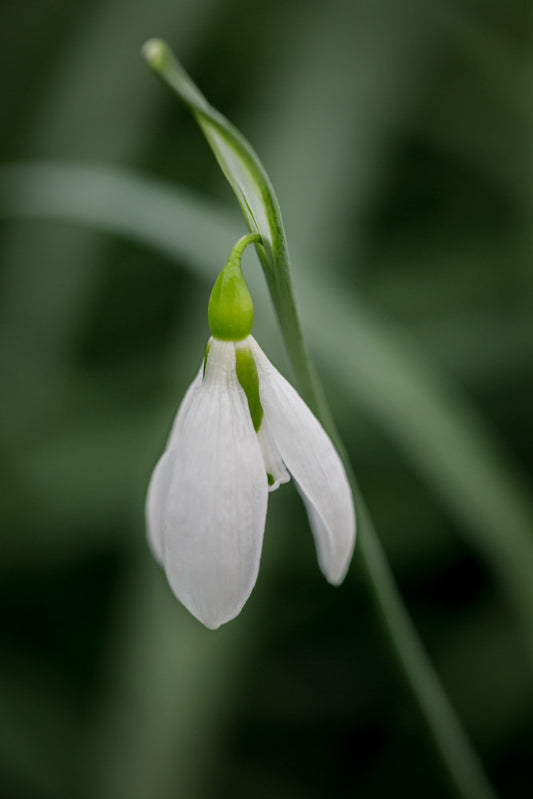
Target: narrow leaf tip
x,y
155,51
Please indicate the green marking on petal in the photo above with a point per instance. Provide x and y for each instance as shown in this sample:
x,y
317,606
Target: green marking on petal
x,y
249,380
208,347
271,480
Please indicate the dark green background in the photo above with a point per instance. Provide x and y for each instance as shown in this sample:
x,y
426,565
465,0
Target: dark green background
x,y
399,138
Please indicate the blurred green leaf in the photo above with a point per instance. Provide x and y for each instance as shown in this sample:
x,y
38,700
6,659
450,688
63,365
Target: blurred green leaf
x,y
443,436
169,685
453,746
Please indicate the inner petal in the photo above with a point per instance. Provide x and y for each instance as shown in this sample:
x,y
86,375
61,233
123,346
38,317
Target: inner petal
x,y
275,468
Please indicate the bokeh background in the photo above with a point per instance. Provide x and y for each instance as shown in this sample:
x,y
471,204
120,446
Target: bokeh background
x,y
399,138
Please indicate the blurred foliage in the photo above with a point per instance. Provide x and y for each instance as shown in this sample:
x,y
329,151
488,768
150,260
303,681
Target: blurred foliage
x,y
398,136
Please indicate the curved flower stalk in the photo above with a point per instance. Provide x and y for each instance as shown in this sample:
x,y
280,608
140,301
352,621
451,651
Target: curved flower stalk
x,y
240,432
260,207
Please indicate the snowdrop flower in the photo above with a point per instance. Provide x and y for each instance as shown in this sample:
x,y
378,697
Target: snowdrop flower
x,y
241,430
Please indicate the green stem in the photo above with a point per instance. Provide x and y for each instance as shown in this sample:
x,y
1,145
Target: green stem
x,y
242,244
261,210
452,744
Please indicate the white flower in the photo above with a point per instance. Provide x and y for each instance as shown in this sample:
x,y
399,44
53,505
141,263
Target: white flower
x,y
207,499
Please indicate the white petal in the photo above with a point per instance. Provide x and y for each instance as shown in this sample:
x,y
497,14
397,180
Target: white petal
x,y
187,402
155,501
160,480
213,518
314,464
273,462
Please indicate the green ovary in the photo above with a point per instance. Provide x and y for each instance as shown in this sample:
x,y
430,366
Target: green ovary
x,y
231,310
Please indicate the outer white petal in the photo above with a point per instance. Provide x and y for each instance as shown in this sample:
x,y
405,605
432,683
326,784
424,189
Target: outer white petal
x,y
187,402
213,516
155,502
314,464
160,480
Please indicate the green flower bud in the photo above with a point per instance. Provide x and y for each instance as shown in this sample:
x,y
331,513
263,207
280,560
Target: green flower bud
x,y
231,310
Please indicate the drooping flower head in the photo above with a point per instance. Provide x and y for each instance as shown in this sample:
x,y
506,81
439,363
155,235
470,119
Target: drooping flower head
x,y
241,430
